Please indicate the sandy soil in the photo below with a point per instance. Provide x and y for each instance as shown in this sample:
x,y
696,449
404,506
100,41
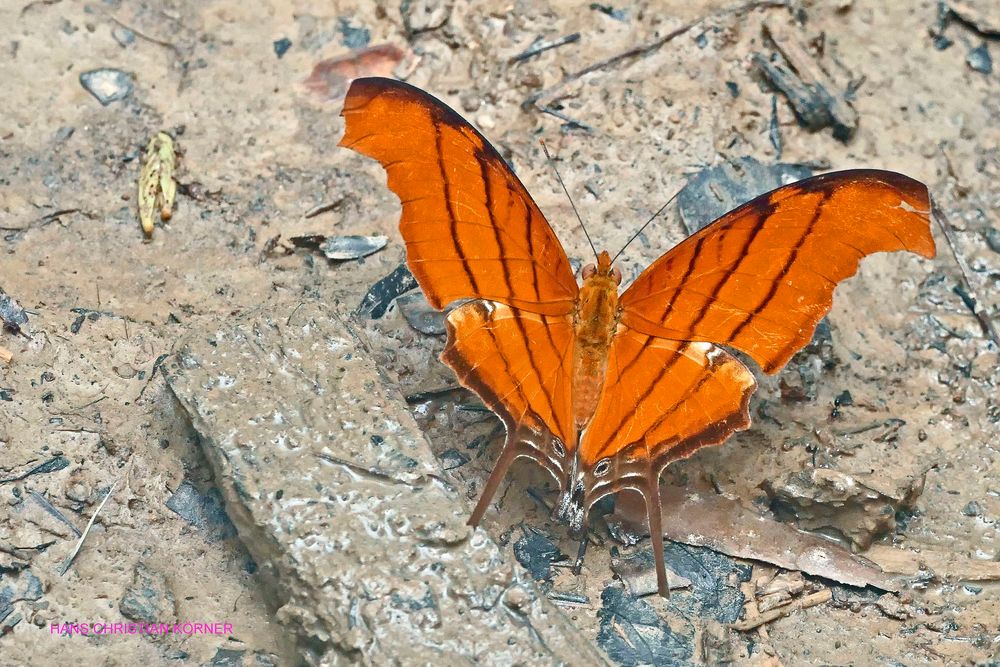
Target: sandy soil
x,y
83,395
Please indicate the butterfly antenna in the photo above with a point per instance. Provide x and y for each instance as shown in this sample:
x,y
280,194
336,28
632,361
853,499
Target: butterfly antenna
x,y
646,224
559,178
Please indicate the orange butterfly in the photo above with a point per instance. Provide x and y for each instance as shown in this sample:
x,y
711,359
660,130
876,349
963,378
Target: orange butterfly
x,y
605,390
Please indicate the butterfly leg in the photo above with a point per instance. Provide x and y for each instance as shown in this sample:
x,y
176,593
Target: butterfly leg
x,y
581,552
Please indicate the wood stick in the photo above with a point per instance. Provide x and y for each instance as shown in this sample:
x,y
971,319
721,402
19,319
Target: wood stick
x,y
977,306
804,602
86,531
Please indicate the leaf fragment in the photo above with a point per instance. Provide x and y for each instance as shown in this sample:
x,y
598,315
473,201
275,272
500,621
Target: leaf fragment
x,y
157,187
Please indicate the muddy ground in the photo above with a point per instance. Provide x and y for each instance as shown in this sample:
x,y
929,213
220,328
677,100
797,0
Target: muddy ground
x,y
85,405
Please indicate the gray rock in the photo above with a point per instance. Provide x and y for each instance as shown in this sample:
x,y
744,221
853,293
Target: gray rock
x,y
123,36
367,557
420,315
149,598
352,247
107,85
715,191
980,60
12,316
204,510
832,500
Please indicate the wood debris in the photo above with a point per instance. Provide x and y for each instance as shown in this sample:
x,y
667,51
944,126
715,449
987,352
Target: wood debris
x,y
816,99
804,602
945,564
541,46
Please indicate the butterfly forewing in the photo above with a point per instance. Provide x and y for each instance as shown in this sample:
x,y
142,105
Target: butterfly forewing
x,y
761,277
470,227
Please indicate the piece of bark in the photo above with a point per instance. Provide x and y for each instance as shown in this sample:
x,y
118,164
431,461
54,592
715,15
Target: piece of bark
x,y
814,96
804,602
944,564
823,498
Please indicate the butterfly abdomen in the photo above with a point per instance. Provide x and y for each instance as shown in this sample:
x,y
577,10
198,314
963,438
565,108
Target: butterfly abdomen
x,y
596,319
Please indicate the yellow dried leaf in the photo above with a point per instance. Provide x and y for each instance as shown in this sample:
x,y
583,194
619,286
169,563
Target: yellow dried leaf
x,y
157,188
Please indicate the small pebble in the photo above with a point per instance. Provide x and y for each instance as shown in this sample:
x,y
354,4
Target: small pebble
x,y
972,509
354,37
281,46
107,85
993,239
123,36
979,59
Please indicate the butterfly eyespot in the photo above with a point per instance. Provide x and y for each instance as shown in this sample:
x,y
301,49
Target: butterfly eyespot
x,y
602,468
557,446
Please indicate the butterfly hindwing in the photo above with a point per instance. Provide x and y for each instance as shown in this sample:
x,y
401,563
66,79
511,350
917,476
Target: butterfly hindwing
x,y
521,365
662,400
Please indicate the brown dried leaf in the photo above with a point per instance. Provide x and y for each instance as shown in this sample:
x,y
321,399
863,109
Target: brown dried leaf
x,y
330,77
714,521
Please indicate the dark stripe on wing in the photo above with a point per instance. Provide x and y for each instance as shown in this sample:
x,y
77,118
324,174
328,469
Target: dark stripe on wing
x,y
777,281
450,208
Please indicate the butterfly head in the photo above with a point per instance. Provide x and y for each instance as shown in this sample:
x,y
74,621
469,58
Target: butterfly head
x,y
602,269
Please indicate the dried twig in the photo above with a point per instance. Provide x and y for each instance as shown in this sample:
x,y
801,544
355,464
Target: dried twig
x,y
646,49
140,35
975,303
803,602
86,531
570,123
323,208
541,46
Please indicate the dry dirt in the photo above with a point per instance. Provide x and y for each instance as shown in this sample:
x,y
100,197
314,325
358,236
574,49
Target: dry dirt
x,y
84,396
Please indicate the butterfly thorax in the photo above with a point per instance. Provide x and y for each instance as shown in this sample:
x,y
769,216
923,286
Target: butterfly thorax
x,y
595,320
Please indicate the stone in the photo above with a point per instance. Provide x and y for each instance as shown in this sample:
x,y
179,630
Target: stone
x,y
362,553
107,85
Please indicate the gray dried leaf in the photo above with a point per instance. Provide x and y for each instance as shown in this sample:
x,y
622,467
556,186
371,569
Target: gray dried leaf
x,y
705,519
352,247
11,314
420,315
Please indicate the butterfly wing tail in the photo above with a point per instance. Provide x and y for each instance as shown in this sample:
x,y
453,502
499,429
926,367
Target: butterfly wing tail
x,y
653,512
